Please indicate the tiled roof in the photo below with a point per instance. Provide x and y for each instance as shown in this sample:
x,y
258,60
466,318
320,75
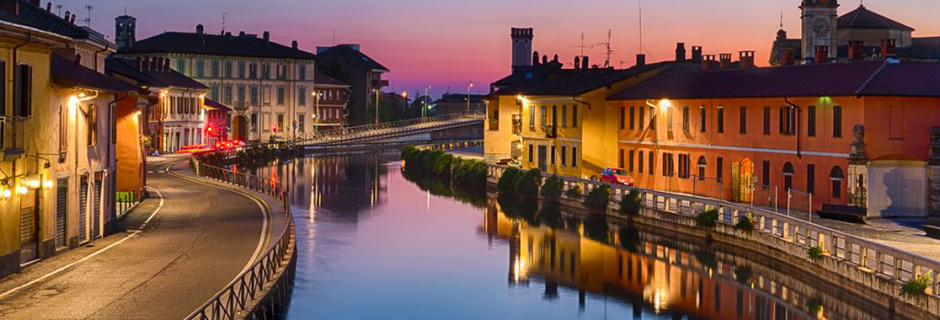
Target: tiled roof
x,y
461,98
573,82
348,51
864,78
212,104
66,74
219,45
321,78
150,78
862,18
26,13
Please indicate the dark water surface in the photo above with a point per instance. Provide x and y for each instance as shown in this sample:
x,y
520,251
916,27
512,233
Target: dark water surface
x,y
372,244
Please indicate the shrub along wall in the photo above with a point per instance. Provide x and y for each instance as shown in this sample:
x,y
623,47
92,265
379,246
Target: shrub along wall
x,y
467,174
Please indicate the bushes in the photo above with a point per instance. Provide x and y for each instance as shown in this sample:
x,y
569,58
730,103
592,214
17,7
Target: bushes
x,y
707,219
630,203
815,253
528,186
469,174
745,223
507,182
917,286
551,190
574,192
598,199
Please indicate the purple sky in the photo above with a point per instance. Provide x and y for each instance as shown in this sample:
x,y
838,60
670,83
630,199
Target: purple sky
x,y
447,43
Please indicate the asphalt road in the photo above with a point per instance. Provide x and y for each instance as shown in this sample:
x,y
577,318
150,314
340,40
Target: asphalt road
x,y
195,244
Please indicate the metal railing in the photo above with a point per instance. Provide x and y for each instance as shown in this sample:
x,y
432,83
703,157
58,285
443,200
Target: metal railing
x,y
848,251
250,284
124,202
365,131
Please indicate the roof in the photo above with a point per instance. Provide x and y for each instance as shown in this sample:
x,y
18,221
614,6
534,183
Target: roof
x,y
66,73
150,78
573,82
322,78
349,51
460,98
243,45
212,104
864,78
862,18
26,13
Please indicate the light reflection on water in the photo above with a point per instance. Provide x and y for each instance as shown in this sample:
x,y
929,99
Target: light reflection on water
x,y
375,245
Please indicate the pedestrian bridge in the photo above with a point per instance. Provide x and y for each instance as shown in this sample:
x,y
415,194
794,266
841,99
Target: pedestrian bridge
x,y
392,131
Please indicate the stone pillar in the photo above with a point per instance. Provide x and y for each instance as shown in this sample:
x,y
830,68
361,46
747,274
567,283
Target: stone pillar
x,y
858,170
933,176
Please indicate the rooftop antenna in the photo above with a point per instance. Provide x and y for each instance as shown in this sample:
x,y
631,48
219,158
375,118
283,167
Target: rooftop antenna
x,y
224,14
781,20
59,8
641,26
334,37
609,52
582,46
88,9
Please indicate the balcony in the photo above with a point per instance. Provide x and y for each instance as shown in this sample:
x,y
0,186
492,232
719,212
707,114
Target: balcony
x,y
516,124
493,124
551,131
241,105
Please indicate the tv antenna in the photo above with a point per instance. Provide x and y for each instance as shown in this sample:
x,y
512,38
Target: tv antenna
x,y
334,37
88,9
224,15
582,46
609,52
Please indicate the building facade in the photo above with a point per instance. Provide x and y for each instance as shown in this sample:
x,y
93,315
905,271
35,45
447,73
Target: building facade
x,y
330,97
268,84
456,103
363,74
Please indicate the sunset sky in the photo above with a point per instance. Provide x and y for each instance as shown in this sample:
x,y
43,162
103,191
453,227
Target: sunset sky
x,y
445,43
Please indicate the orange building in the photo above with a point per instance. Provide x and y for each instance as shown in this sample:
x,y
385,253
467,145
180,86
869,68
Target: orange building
x,y
846,133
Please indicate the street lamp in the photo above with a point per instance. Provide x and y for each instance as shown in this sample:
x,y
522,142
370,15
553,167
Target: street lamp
x,y
424,106
468,96
376,105
316,116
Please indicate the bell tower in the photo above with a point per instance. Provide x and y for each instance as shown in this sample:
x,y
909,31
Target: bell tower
x,y
521,47
819,30
125,31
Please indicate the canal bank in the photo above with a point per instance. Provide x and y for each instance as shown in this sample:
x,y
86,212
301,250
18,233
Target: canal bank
x,y
860,266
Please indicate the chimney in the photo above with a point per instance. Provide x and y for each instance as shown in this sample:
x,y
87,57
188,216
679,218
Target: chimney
x,y
789,56
555,58
68,15
200,29
140,66
267,36
707,62
822,54
577,63
746,59
72,21
293,44
889,48
724,61
585,63
49,6
696,54
545,59
535,58
241,33
856,50
680,52
640,60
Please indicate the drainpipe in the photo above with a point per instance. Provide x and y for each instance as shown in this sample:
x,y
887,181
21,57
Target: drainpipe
x,y
106,47
799,130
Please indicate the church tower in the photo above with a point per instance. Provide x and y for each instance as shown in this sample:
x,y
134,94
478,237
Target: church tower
x,y
125,31
521,47
819,30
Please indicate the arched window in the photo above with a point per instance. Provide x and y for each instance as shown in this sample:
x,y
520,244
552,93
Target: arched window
x,y
702,163
787,176
836,176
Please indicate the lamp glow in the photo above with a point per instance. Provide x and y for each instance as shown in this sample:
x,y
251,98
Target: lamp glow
x,y
6,193
34,184
21,190
47,184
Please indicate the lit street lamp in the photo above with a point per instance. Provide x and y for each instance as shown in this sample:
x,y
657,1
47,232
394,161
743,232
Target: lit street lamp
x,y
316,115
376,105
468,96
427,97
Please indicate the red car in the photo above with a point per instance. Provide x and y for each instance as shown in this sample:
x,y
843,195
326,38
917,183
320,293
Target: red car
x,y
617,176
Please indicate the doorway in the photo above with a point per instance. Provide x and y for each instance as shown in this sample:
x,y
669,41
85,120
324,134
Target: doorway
x,y
240,125
29,228
742,180
543,158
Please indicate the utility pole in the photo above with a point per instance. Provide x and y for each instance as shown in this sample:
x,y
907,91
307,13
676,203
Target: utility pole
x,y
468,96
316,115
427,98
376,105
88,9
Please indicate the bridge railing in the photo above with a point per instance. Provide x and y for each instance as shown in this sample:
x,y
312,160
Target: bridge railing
x,y
847,250
249,285
315,137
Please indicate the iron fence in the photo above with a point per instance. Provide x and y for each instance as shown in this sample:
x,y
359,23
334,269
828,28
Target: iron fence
x,y
237,296
124,202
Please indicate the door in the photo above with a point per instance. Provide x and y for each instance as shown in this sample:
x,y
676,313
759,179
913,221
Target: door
x,y
83,210
543,157
241,128
61,211
96,210
742,180
29,240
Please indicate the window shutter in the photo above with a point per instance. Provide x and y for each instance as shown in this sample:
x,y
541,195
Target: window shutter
x,y
3,89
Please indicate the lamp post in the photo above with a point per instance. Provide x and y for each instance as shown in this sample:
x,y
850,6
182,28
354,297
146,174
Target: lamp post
x,y
316,114
376,105
424,107
468,96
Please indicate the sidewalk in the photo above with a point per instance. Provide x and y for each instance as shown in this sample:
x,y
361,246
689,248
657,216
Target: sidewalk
x,y
167,262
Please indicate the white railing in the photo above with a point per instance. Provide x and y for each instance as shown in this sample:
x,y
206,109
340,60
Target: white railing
x,y
854,252
376,130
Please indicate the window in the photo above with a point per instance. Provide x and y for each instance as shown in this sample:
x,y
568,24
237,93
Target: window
x,y
574,156
668,165
253,95
632,119
702,164
200,68
91,119
620,159
564,156
266,71
642,118
811,121
228,94
653,118
280,122
787,120
280,96
254,122
302,72
302,96
241,93
631,160
564,116
552,156
241,70
787,176
253,71
836,176
574,117
837,122
719,169
766,120
623,119
641,161
650,155
215,68
228,69
810,178
742,119
685,166
685,119
542,116
181,65
703,119
765,178
63,132
531,153
532,117
23,89
721,119
301,122
669,119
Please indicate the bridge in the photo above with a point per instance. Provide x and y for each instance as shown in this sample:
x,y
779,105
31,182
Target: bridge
x,y
412,129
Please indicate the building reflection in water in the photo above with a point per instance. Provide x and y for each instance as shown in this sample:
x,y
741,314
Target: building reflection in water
x,y
617,260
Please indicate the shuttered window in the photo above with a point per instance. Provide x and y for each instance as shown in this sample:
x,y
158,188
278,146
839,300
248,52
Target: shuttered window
x,y
23,86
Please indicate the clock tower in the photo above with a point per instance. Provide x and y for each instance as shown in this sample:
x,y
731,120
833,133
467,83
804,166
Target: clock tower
x,y
819,30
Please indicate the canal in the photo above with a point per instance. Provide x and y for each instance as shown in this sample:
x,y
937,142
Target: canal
x,y
376,243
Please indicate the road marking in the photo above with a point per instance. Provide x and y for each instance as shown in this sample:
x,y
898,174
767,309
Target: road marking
x,y
159,207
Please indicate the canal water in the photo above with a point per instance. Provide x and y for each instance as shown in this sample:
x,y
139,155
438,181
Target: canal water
x,y
377,243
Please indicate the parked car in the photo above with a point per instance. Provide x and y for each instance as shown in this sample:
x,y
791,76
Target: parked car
x,y
276,138
617,176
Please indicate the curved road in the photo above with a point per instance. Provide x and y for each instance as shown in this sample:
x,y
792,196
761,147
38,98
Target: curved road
x,y
194,245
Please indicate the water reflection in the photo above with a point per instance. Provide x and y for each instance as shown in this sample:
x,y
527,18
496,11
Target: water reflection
x,y
379,244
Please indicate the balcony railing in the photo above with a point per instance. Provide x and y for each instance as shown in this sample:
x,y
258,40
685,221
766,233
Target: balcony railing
x,y
493,124
550,131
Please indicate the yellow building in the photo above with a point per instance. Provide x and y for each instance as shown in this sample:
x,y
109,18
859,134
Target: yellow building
x,y
560,123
